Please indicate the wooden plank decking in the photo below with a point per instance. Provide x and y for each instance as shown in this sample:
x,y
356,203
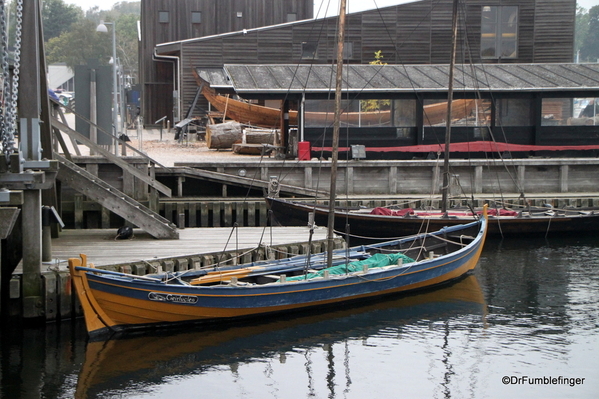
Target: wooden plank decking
x,y
102,249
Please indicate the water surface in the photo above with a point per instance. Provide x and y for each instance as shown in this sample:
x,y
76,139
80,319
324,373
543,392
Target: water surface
x,y
529,316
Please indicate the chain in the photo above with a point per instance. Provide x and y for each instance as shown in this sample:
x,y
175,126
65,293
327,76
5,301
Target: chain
x,y
8,121
5,75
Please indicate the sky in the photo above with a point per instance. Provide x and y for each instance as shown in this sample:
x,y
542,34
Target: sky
x,y
353,5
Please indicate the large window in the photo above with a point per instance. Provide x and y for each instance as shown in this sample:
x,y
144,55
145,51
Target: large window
x,y
320,113
467,112
499,32
363,113
570,112
513,112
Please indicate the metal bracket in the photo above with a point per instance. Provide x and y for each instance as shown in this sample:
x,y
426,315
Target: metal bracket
x,y
274,187
37,165
4,195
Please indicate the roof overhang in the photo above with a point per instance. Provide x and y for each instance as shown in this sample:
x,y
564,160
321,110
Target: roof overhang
x,y
216,77
285,79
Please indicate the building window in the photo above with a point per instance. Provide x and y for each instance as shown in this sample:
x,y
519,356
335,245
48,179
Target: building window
x,y
163,17
569,112
464,112
404,113
513,112
291,17
196,17
374,113
309,50
499,32
348,50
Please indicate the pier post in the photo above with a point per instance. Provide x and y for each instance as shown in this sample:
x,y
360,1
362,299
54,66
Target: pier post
x,y
308,177
393,180
32,254
30,102
563,178
478,179
8,218
521,176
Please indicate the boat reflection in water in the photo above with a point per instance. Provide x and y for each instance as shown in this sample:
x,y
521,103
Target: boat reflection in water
x,y
144,362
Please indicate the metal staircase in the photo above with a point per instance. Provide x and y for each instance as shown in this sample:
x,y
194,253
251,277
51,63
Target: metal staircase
x,y
114,200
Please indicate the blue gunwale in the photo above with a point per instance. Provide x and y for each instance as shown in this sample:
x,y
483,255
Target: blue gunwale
x,y
229,291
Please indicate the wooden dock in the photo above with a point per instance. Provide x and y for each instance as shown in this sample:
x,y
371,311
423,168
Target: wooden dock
x,y
143,254
103,250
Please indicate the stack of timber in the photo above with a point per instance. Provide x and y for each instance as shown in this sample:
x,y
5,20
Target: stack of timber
x,y
223,135
232,135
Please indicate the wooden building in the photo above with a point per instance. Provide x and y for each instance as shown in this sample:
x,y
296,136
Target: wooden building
x,y
164,21
400,111
502,31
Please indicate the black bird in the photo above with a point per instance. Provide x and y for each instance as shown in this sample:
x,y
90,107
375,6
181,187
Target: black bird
x,y
124,233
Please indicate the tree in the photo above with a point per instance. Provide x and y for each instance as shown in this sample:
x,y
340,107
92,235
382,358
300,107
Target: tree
x,y
79,44
376,105
582,27
589,49
128,7
57,17
127,42
81,41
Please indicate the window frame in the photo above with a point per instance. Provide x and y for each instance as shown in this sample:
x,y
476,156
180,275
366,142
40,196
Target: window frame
x,y
161,15
309,50
498,32
193,17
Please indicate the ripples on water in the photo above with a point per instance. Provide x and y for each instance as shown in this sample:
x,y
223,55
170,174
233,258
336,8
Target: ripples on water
x,y
531,309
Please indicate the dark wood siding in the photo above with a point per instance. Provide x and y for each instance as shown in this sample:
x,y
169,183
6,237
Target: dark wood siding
x,y
414,33
378,33
269,51
553,30
441,18
218,16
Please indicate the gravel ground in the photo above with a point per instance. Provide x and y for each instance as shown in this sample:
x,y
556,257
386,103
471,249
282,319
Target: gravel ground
x,y
167,150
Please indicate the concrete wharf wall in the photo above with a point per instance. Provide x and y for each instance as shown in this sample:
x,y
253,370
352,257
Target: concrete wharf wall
x,y
423,177
565,182
561,182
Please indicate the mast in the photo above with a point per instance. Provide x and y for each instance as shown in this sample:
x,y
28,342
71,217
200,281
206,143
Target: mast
x,y
454,38
336,123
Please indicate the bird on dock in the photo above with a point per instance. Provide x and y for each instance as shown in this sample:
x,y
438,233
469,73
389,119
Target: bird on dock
x,y
124,233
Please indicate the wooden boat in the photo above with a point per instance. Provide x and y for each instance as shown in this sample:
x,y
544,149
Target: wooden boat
x,y
114,301
242,111
108,363
366,224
